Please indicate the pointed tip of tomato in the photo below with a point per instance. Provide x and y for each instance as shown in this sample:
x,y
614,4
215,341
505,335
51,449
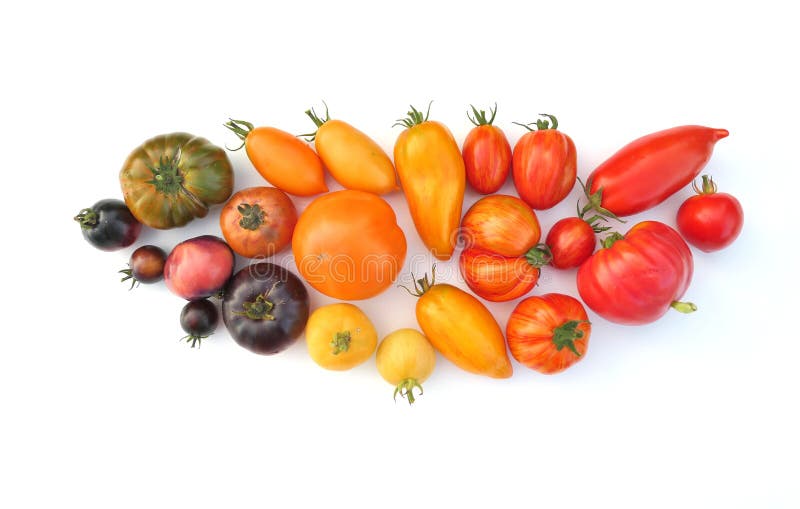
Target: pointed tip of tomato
x,y
720,133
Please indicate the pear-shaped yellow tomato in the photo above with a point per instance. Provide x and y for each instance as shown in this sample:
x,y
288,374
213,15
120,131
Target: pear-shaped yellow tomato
x,y
433,178
352,157
405,359
462,329
340,336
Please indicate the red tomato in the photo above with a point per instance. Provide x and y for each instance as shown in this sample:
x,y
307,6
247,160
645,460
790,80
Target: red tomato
x,y
500,223
258,221
487,153
710,221
649,170
544,165
548,333
571,241
635,279
199,267
495,277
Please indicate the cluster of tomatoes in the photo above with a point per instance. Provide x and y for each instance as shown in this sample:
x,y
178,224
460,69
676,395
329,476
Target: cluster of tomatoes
x,y
347,244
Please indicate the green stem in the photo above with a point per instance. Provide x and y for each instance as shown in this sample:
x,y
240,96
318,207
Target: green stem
x,y
542,124
566,334
87,218
594,202
683,307
415,117
258,309
194,339
318,121
480,116
341,342
167,175
252,216
422,285
539,255
128,273
708,187
406,389
612,239
241,129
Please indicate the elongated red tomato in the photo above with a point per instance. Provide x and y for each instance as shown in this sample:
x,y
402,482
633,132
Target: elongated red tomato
x,y
548,333
634,279
487,153
544,164
649,170
710,220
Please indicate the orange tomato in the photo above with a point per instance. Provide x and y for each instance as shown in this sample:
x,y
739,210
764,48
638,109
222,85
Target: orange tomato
x,y
287,162
433,178
462,329
347,245
352,157
503,224
258,221
498,278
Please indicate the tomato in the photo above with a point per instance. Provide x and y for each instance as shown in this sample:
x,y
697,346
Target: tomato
x,y
340,336
285,161
502,224
146,266
571,241
649,170
109,225
461,328
171,179
634,279
258,221
544,164
265,308
347,245
710,221
199,267
487,153
433,178
548,333
499,278
405,359
352,157
199,319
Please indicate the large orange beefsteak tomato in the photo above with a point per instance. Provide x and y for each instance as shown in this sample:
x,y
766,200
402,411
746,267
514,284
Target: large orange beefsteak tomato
x,y
347,245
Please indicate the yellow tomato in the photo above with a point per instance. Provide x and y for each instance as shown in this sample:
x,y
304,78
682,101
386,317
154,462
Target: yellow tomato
x,y
340,336
405,359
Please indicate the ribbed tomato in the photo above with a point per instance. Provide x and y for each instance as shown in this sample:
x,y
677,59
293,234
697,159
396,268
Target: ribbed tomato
x,y
502,224
499,278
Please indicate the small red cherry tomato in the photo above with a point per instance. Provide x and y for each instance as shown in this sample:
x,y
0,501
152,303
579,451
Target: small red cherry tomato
x,y
571,241
487,153
710,220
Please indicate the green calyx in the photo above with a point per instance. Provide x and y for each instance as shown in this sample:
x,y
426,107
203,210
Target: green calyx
x,y
612,239
259,309
539,255
128,274
708,186
422,285
683,307
167,176
566,334
406,389
195,340
480,116
542,124
87,218
241,129
318,121
340,342
415,117
252,216
594,202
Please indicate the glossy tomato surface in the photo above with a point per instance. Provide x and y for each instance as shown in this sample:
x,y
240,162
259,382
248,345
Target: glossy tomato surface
x,y
571,241
495,277
109,225
500,223
710,221
487,153
199,267
258,221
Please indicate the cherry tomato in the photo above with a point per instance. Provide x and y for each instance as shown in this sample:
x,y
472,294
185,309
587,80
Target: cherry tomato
x,y
199,319
548,333
544,164
487,153
145,266
710,221
500,223
258,221
109,225
571,241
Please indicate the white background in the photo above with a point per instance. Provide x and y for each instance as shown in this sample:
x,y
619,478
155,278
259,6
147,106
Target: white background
x,y
102,407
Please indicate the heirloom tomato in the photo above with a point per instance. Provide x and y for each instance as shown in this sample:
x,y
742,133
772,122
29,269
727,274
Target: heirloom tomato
x,y
710,220
258,221
487,153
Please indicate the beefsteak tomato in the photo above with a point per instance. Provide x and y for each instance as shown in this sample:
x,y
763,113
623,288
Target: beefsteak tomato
x,y
258,221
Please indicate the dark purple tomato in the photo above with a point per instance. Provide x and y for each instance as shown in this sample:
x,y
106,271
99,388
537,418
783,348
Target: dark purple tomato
x,y
109,225
199,319
265,308
145,266
199,267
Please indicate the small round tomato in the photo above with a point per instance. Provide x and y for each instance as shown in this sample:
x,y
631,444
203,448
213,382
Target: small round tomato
x,y
502,224
199,319
710,221
499,278
347,245
340,336
258,221
487,153
548,333
405,359
145,266
571,241
199,267
109,225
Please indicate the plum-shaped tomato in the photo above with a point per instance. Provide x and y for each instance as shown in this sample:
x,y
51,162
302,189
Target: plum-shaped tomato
x,y
199,267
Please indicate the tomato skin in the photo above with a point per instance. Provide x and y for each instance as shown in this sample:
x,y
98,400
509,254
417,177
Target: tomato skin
x,y
354,159
638,278
109,225
340,336
495,277
173,178
433,178
571,241
501,223
347,245
258,221
487,158
544,167
710,221
463,330
530,332
405,359
199,267
649,170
